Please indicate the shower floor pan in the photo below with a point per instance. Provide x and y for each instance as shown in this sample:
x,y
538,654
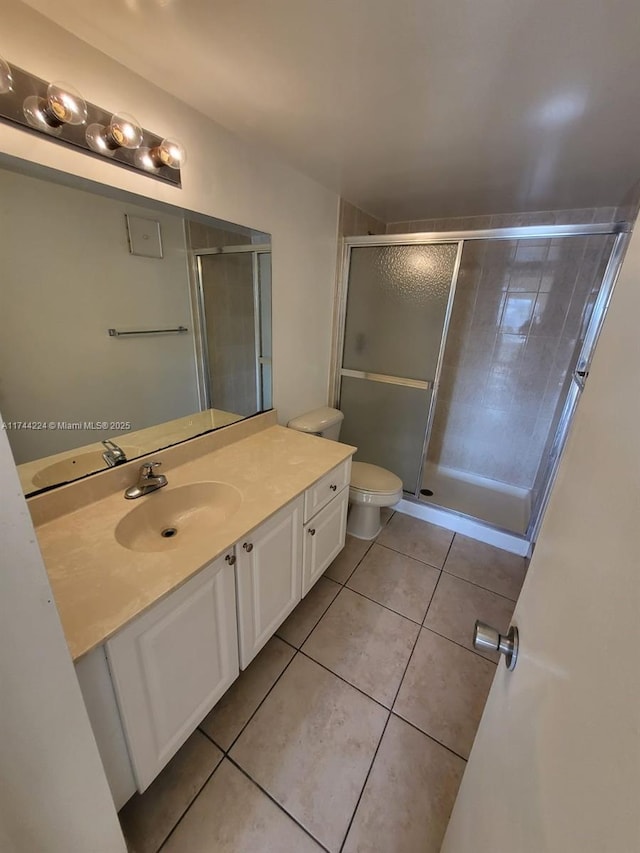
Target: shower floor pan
x,y
497,503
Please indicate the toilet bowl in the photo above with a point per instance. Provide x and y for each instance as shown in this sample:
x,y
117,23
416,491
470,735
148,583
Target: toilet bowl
x,y
371,487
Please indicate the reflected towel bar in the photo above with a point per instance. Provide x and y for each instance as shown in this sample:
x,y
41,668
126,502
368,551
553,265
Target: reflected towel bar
x,y
114,333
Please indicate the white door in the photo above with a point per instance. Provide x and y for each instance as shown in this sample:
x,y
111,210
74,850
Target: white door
x,y
555,767
269,578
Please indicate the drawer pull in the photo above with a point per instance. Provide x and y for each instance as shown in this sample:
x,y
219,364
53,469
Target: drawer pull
x,y
248,547
333,487
312,531
231,559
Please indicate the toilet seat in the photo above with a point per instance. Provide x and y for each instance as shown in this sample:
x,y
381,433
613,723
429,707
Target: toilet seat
x,y
371,478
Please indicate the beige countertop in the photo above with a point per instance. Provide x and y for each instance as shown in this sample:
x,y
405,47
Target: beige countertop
x,y
100,586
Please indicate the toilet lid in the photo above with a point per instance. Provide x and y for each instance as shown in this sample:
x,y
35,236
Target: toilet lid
x,y
371,478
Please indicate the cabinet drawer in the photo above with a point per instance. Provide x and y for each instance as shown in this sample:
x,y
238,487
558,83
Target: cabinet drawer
x,y
326,488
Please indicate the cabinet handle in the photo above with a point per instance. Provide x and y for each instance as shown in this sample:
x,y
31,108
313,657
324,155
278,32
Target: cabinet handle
x,y
333,487
248,547
312,531
231,559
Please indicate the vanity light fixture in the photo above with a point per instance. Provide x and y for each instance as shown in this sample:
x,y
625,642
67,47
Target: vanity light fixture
x,y
6,78
62,105
123,131
59,111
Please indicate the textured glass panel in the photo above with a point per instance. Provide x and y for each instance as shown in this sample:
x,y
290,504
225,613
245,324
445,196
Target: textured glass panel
x,y
387,423
520,312
396,307
227,288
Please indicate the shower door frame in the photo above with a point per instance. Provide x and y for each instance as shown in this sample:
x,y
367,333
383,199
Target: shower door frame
x,y
620,230
202,349
424,385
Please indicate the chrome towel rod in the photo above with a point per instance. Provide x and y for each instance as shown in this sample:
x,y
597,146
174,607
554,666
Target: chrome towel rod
x,y
114,333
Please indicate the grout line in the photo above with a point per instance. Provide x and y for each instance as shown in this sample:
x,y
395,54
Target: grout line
x,y
486,588
275,802
282,639
209,738
411,556
435,589
344,680
258,706
200,790
364,784
385,606
431,737
460,646
386,724
318,620
341,583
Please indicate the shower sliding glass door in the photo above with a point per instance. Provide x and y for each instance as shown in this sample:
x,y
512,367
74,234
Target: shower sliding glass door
x,y
507,359
398,304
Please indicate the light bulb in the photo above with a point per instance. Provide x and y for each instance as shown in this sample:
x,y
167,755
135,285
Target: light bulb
x,y
6,77
170,153
63,105
123,131
143,160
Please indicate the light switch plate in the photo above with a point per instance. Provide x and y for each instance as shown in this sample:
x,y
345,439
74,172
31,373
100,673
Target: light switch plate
x,y
145,237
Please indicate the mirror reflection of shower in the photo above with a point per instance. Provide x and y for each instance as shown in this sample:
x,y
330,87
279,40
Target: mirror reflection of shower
x,y
234,301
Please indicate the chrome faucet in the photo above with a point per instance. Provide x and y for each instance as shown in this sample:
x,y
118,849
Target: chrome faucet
x,y
113,454
147,481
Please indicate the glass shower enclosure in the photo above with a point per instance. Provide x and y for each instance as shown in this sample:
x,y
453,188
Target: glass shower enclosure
x,y
462,357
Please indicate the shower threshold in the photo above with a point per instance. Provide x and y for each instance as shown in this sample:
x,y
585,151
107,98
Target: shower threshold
x,y
500,504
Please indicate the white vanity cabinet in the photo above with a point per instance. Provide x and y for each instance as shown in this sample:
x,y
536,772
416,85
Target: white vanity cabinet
x,y
269,578
324,537
171,665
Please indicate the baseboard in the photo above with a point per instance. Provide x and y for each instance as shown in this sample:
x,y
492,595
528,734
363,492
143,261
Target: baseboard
x,y
467,527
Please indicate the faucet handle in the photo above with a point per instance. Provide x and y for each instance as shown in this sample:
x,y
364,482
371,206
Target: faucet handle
x,y
146,469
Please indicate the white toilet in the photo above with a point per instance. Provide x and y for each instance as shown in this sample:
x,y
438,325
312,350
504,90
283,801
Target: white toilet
x,y
371,487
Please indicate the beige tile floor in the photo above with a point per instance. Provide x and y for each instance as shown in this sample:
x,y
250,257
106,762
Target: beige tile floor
x,y
351,729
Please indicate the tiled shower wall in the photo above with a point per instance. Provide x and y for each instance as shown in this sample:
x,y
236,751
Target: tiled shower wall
x,y
518,313
354,222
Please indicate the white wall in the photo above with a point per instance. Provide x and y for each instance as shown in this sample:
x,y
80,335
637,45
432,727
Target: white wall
x,y
67,277
55,798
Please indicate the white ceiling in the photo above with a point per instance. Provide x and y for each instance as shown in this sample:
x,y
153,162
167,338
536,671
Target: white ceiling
x,y
410,108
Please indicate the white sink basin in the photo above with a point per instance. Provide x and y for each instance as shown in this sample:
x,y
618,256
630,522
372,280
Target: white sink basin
x,y
179,517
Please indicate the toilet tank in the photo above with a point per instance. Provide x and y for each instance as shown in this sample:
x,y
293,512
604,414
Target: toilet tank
x,y
325,422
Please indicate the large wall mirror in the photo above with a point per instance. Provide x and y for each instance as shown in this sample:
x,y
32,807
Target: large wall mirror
x,y
127,325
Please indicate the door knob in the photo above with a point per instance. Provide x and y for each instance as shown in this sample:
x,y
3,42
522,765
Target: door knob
x,y
248,547
487,639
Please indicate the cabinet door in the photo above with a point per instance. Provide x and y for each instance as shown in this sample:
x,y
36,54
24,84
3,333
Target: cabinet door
x,y
172,664
269,578
324,538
